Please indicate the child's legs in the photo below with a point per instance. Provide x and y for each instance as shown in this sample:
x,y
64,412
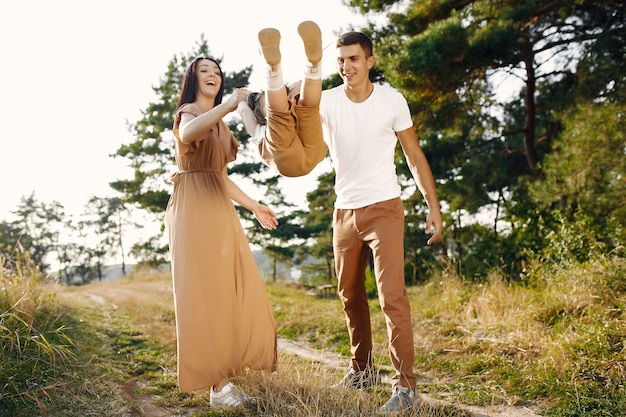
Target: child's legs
x,y
281,131
309,127
285,149
310,92
311,88
293,146
276,100
276,93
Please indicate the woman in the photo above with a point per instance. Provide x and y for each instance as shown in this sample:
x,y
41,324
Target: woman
x,y
224,323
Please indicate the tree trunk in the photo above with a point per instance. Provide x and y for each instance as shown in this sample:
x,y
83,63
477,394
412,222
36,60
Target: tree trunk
x,y
329,270
531,112
274,270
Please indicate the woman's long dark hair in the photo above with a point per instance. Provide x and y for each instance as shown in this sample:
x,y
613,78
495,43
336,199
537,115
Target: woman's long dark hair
x,y
190,83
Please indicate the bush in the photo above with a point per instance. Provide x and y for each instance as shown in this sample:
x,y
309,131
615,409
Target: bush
x,y
34,346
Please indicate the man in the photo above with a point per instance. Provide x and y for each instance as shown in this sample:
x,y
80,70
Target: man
x,y
362,123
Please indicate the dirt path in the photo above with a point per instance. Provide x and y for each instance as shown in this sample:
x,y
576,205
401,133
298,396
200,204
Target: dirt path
x,y
142,405
336,361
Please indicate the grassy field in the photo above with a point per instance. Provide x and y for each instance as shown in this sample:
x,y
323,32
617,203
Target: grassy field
x,y
554,345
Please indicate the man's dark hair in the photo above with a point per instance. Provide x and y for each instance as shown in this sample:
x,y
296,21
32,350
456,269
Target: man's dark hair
x,y
351,38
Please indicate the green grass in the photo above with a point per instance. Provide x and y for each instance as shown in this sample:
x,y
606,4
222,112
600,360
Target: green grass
x,y
35,349
301,317
555,343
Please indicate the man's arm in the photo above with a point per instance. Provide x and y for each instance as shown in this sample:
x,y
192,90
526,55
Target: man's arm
x,y
423,176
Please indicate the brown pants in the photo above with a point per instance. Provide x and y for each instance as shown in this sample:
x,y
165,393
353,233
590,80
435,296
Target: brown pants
x,y
377,229
293,143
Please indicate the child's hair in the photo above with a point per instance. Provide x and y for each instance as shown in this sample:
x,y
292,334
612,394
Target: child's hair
x,y
256,101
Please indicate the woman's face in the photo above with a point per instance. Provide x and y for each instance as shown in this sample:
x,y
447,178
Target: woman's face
x,y
209,78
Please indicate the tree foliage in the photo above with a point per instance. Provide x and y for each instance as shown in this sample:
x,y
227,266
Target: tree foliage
x,y
519,107
106,218
586,172
490,85
449,55
319,220
40,226
151,156
152,152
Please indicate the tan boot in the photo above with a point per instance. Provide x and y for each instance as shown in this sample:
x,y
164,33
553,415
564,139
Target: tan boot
x,y
312,38
269,39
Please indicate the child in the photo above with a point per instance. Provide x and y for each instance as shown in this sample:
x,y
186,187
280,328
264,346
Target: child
x,y
254,114
292,141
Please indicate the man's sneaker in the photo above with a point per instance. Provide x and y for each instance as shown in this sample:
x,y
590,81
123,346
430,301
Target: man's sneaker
x,y
402,398
230,396
358,379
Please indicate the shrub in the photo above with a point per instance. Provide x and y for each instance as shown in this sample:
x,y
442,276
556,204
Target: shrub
x,y
34,346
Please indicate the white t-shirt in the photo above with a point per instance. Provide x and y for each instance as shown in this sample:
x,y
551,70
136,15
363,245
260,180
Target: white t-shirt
x,y
259,133
248,118
361,140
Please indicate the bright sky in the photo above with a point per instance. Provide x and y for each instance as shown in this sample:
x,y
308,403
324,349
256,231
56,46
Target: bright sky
x,y
75,71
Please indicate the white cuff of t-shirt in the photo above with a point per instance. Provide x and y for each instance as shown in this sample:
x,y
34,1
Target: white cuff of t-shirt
x,y
241,105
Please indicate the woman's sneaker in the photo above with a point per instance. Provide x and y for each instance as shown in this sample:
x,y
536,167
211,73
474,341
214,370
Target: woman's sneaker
x,y
230,396
402,398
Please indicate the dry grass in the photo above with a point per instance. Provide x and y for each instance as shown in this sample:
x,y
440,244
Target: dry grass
x,y
141,309
555,343
501,343
34,346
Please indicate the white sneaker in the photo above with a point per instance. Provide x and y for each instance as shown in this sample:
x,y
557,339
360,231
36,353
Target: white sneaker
x,y
402,399
358,379
229,396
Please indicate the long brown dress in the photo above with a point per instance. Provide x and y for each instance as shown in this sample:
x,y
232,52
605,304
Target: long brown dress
x,y
224,323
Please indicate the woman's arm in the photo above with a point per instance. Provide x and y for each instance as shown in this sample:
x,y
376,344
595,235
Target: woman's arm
x,y
264,214
194,128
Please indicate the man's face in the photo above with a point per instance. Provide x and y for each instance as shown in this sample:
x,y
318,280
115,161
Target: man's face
x,y
352,64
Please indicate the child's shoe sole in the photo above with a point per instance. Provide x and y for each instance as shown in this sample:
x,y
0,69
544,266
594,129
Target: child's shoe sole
x,y
269,39
312,38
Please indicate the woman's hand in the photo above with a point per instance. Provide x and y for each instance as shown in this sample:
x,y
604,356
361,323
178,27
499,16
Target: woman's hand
x,y
236,97
265,216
